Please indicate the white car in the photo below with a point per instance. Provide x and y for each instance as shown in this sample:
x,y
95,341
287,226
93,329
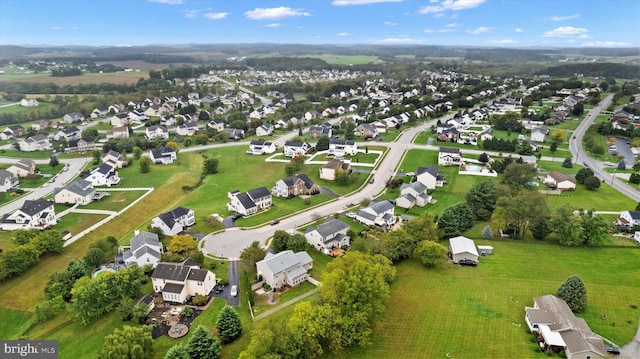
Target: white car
x,y
351,214
234,290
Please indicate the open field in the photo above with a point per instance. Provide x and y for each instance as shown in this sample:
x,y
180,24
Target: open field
x,y
479,312
111,78
26,110
345,59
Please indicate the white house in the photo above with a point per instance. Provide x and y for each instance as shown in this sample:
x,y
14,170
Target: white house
x,y
8,180
163,155
429,177
99,112
36,214
329,235
264,130
174,221
284,268
118,132
35,143
79,191
187,129
338,147
629,218
115,159
552,320
217,125
261,147
68,134
119,120
144,248
155,132
178,282
103,175
560,181
328,171
413,194
463,248
23,167
539,134
73,117
28,102
294,148
449,156
379,213
249,202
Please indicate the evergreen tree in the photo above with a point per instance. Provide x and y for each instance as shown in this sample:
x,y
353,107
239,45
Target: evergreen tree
x,y
203,345
487,233
228,324
128,343
177,352
574,292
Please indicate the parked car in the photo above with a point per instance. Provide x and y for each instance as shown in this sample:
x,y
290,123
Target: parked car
x,y
275,221
612,350
371,180
351,214
234,290
468,262
236,216
411,174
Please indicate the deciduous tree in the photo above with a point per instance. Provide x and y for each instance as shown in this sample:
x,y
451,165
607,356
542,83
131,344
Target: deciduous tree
x,y
128,343
482,199
182,243
431,254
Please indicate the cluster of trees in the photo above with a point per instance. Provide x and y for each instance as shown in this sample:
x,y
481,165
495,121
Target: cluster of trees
x,y
284,241
294,166
586,177
507,122
600,69
345,315
128,342
500,144
29,246
66,71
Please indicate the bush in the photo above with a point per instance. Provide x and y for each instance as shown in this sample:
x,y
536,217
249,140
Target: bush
x,y
199,299
567,163
186,312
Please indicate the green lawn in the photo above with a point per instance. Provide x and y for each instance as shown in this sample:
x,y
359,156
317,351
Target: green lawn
x,y
25,110
605,198
479,312
116,201
14,323
77,222
364,158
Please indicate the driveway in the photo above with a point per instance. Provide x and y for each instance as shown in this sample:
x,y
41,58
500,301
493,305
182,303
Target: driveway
x,y
624,150
632,350
328,192
228,222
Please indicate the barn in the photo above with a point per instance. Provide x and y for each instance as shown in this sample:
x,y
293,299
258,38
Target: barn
x,y
463,248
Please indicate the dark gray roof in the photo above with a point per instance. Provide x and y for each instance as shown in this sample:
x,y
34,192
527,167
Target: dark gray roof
x,y
104,168
259,193
635,214
197,274
147,299
80,187
433,170
331,227
70,130
307,181
173,288
171,271
449,150
162,151
337,141
115,154
144,238
36,206
293,144
190,262
381,206
245,200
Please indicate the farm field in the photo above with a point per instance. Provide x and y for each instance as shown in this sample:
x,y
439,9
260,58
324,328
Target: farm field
x,y
479,312
345,59
89,78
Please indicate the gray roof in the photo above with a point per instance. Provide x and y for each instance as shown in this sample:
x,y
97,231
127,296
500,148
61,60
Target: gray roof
x,y
245,200
147,299
143,239
197,274
171,271
80,187
36,206
449,150
173,288
381,206
331,227
147,250
4,174
337,141
104,168
284,260
259,193
462,244
417,186
162,151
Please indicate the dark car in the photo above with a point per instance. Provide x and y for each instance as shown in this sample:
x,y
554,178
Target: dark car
x,y
275,221
612,350
468,262
236,216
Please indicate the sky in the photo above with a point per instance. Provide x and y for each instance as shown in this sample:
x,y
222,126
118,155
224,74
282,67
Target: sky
x,y
495,23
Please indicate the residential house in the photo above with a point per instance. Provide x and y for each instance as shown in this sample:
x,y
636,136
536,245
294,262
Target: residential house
x,y
41,125
235,133
366,131
137,115
323,129
449,156
103,175
559,329
8,180
80,145
217,125
99,112
261,147
145,248
119,120
312,115
179,282
530,160
174,221
23,168
329,235
68,134
115,159
560,181
77,192
118,132
36,214
629,219
379,213
117,108
429,177
15,131
156,132
264,130
250,202
168,120
29,102
295,185
154,111
73,117
413,194
188,129
294,148
539,134
35,143
463,248
449,135
284,268
338,147
329,170
163,155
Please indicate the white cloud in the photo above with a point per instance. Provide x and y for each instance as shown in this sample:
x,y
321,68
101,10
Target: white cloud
x,y
562,18
518,29
480,30
274,13
452,25
275,24
216,15
389,23
503,42
399,40
62,28
360,2
168,2
606,43
191,13
563,31
431,31
453,5
344,34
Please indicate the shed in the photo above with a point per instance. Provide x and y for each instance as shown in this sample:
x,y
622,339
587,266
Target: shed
x,y
463,248
485,250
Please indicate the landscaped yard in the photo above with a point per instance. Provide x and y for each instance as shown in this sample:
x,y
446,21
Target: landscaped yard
x,y
479,312
77,222
116,201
